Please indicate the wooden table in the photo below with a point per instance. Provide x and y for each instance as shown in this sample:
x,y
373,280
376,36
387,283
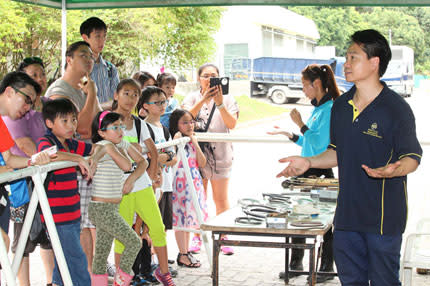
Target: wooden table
x,y
224,224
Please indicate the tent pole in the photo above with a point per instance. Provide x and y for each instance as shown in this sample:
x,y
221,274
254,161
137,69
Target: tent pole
x,y
63,34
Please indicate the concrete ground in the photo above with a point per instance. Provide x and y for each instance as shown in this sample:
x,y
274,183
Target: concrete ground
x,y
256,266
252,267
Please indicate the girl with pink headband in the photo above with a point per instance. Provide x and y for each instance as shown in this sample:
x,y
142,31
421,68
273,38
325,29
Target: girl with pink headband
x,y
110,185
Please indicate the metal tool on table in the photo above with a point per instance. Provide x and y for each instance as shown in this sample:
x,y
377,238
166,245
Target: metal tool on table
x,y
307,224
293,182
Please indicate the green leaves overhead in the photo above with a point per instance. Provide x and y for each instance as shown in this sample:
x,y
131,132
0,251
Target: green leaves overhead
x,y
408,26
177,38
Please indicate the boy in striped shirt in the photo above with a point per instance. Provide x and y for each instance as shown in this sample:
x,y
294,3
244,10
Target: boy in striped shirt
x,y
60,116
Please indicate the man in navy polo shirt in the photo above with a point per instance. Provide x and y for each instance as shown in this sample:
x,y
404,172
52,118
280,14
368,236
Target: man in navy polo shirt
x,y
374,144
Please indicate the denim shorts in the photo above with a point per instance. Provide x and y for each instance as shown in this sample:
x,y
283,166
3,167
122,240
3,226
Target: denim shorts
x,y
85,192
5,217
69,235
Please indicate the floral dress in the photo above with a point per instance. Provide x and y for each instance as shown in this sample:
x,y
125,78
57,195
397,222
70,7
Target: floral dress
x,y
184,214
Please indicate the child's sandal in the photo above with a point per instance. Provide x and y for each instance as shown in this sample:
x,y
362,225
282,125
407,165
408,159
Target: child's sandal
x,y
194,263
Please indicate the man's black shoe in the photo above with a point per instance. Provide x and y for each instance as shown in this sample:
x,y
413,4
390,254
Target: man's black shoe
x,y
323,278
290,275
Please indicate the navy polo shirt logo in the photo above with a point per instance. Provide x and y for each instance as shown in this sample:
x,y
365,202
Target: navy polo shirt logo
x,y
372,131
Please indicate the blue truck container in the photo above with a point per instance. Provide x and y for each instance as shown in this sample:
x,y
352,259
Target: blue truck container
x,y
280,78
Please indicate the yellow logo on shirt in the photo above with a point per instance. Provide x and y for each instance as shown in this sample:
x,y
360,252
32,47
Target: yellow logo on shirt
x,y
372,131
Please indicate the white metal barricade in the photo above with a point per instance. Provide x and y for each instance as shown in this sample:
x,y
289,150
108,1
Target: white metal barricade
x,y
214,137
38,173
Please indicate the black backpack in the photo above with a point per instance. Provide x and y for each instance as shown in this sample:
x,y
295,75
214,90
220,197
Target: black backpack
x,y
137,122
138,126
165,131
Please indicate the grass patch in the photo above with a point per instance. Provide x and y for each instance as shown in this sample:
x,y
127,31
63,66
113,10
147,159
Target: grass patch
x,y
251,109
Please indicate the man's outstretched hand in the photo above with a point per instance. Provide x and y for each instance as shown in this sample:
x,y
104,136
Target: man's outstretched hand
x,y
297,166
388,171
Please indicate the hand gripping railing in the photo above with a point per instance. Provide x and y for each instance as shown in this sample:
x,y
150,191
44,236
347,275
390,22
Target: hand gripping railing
x,y
38,174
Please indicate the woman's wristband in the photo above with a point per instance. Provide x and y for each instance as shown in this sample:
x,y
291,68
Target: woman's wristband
x,y
295,138
304,129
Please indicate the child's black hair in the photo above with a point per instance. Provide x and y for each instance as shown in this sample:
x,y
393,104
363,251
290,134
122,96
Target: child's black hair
x,y
164,78
174,120
120,86
92,24
109,118
142,77
147,92
18,80
52,109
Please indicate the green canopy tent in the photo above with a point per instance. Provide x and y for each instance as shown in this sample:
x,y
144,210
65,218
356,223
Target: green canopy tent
x,y
106,4
65,5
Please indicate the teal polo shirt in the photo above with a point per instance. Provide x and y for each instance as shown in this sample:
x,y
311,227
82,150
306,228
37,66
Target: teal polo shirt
x,y
382,133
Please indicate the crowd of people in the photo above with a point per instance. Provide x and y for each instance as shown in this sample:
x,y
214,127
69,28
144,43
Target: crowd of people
x,y
122,196
119,195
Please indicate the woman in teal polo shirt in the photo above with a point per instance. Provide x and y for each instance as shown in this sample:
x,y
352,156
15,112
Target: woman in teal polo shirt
x,y
319,85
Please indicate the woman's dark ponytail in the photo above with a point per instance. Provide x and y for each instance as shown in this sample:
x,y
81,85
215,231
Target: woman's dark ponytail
x,y
325,74
330,82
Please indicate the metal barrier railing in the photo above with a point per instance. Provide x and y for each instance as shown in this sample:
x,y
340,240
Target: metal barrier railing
x,y
38,174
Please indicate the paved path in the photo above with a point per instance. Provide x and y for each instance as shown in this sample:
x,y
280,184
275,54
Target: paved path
x,y
257,163
253,267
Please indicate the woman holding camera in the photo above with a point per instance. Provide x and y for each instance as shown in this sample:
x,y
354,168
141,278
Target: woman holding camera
x,y
218,113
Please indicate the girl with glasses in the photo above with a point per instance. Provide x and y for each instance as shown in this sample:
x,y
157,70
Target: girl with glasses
x,y
141,200
110,185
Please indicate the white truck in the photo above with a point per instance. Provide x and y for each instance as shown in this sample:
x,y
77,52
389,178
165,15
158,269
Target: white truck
x,y
400,71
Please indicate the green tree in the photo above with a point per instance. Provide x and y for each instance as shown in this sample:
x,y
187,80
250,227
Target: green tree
x,y
335,24
422,14
188,36
12,32
173,37
405,30
408,26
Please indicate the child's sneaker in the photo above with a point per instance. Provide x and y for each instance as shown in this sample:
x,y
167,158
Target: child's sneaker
x,y
196,244
173,272
165,279
110,269
226,250
150,278
138,280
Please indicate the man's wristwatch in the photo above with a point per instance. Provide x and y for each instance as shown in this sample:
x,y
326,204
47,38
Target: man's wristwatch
x,y
221,106
171,155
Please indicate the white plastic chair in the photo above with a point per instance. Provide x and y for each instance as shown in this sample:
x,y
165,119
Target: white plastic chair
x,y
416,252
